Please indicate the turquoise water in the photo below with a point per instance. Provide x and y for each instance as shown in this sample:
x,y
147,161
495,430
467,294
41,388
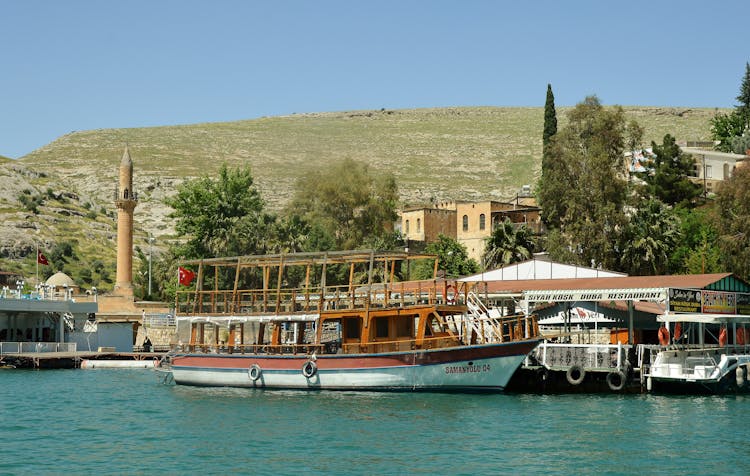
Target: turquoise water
x,y
127,422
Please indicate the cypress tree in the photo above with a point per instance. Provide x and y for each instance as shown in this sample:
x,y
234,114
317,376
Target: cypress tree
x,y
550,118
744,97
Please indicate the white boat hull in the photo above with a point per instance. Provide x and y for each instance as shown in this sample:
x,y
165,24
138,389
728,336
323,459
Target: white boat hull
x,y
460,369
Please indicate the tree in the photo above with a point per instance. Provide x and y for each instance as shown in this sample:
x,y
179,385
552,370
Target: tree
x,y
669,181
507,245
347,203
732,215
649,238
726,127
220,217
744,96
550,118
584,189
697,251
453,260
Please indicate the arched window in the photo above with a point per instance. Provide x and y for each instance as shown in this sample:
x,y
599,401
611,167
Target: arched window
x,y
406,226
465,222
419,225
481,221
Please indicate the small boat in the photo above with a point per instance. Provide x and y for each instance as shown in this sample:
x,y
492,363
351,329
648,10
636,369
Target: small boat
x,y
702,353
391,336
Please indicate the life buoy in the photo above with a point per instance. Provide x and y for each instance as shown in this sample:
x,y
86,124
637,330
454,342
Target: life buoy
x,y
309,369
254,372
616,380
663,336
575,375
740,336
723,337
677,332
450,298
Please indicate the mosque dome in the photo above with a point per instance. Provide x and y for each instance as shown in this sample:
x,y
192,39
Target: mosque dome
x,y
61,279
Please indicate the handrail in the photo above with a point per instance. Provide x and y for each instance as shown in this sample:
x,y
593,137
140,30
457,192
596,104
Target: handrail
x,y
311,299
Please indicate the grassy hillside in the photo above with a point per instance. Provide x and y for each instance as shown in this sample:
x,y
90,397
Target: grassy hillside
x,y
444,153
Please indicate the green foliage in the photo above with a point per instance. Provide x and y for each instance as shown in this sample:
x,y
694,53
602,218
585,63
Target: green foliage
x,y
651,234
733,222
669,180
697,250
744,96
507,245
583,191
453,260
740,144
220,217
30,201
347,203
726,126
550,118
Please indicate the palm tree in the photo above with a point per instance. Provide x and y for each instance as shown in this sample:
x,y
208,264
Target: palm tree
x,y
650,237
508,244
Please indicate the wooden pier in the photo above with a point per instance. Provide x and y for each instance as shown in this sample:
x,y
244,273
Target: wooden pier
x,y
67,360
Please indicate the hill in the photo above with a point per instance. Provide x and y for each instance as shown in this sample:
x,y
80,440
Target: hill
x,y
435,154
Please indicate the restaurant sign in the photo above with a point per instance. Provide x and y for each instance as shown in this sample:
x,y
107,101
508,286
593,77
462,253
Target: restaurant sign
x,y
684,300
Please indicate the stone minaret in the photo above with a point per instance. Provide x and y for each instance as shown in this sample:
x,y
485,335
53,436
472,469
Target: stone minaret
x,y
125,201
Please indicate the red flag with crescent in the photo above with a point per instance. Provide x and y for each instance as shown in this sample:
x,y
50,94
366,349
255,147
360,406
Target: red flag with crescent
x,y
185,276
41,259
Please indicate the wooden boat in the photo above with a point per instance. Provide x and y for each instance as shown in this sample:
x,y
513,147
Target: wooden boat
x,y
702,353
388,336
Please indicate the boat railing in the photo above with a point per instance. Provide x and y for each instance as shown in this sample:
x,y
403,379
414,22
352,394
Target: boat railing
x,y
36,347
603,357
309,300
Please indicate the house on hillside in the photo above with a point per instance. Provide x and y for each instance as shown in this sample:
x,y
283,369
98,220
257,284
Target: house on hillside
x,y
713,167
470,223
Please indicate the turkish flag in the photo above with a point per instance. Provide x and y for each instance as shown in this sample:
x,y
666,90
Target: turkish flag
x,y
185,276
40,258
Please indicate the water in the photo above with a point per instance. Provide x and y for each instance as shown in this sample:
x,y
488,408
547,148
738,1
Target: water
x,y
127,422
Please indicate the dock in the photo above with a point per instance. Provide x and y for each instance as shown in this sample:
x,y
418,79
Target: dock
x,y
68,360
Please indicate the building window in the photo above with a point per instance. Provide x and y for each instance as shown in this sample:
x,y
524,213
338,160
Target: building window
x,y
465,222
708,172
481,221
407,227
419,225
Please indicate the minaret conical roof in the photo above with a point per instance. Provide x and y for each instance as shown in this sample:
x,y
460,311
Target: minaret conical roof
x,y
126,160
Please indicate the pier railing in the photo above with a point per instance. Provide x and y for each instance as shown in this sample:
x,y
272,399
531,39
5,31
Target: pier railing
x,y
603,357
38,347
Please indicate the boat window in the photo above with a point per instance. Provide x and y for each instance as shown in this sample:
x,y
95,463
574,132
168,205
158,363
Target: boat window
x,y
351,328
404,327
381,327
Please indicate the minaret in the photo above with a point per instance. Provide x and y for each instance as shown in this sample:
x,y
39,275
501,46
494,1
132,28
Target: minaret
x,y
125,201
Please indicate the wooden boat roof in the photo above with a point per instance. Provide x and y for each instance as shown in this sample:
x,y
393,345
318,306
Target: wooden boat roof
x,y
312,258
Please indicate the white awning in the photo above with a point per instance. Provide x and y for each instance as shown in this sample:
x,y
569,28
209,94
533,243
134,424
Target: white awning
x,y
705,318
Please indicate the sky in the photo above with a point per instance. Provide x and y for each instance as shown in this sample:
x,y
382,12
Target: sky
x,y
80,65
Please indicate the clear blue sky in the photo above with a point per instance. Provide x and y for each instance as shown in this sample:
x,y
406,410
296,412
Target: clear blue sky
x,y
77,65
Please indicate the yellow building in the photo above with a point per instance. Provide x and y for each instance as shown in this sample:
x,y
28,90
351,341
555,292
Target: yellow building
x,y
469,223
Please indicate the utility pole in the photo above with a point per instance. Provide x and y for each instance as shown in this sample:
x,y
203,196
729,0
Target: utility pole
x,y
150,245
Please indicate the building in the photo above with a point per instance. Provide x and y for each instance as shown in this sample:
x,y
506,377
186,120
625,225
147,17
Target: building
x,y
713,167
469,223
